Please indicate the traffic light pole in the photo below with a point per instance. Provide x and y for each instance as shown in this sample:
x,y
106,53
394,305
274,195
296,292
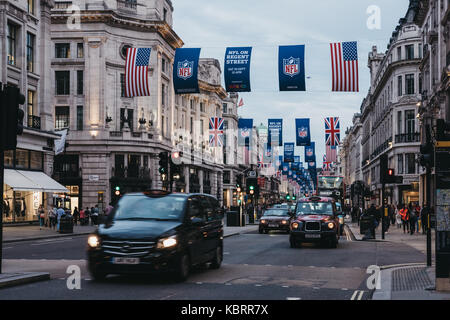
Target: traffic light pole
x,y
2,165
383,218
428,212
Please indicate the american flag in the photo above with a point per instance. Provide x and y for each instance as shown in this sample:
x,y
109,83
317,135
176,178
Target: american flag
x,y
332,131
136,72
216,132
344,66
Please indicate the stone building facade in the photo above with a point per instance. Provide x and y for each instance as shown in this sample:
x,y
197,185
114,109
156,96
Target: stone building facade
x,y
24,63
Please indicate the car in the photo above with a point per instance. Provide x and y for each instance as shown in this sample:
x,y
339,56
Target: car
x,y
316,221
158,231
275,219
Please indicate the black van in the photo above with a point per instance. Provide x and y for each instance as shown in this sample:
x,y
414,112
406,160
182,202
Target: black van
x,y
158,231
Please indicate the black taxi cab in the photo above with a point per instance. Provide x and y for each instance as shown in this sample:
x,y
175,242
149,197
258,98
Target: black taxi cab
x,y
315,221
157,231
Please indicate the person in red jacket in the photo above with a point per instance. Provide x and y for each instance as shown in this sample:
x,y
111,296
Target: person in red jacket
x,y
404,213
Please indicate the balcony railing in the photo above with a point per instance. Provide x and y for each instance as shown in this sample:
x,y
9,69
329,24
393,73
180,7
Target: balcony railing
x,y
34,122
407,137
128,5
131,172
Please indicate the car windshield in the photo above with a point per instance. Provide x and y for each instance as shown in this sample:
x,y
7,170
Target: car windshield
x,y
142,207
307,208
275,212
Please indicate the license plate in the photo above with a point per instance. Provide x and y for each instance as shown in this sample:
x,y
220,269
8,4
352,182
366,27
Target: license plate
x,y
273,225
312,236
121,260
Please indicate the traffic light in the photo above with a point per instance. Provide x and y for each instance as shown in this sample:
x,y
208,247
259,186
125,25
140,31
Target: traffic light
x,y
175,170
442,127
12,115
387,175
288,197
117,191
426,158
252,185
163,163
177,157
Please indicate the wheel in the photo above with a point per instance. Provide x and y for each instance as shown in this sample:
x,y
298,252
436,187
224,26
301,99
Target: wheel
x,y
98,275
218,258
183,268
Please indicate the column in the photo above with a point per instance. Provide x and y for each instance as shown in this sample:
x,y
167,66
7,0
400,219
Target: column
x,y
200,177
186,178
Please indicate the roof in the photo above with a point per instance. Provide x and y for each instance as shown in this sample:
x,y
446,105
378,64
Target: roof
x,y
316,198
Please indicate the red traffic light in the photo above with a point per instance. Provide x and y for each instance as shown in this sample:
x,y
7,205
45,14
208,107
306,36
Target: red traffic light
x,y
391,172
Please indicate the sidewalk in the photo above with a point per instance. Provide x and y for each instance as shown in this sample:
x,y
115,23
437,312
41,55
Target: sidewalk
x,y
411,281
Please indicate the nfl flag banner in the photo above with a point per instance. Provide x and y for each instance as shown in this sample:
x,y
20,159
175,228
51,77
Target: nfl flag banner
x,y
310,152
245,127
303,132
332,131
136,72
275,128
344,66
216,132
185,70
291,68
237,69
289,152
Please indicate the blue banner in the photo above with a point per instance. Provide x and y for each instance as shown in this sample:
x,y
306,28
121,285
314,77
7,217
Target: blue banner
x,y
312,165
185,70
237,69
285,168
275,135
310,152
289,152
303,132
245,132
291,68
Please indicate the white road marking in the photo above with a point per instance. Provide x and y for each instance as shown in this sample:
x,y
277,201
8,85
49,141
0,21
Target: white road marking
x,y
354,295
316,288
285,286
8,248
361,295
46,243
258,285
293,298
357,293
344,289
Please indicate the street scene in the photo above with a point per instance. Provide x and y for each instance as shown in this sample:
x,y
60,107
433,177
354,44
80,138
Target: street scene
x,y
225,151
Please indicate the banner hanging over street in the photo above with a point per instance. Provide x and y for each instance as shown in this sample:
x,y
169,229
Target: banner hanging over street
x,y
185,70
310,152
303,132
291,68
237,69
245,132
289,152
275,127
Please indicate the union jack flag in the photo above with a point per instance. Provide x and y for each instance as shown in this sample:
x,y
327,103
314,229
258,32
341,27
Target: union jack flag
x,y
216,132
332,131
327,166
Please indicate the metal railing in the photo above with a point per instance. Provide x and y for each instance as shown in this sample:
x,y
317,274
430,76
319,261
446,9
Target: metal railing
x,y
407,137
34,122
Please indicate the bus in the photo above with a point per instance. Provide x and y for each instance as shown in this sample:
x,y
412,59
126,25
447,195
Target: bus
x,y
331,186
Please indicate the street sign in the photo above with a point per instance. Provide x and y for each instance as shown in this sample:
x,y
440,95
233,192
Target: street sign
x,y
251,174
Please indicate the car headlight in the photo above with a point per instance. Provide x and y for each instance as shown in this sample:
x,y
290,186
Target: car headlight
x,y
94,241
284,222
295,225
165,243
331,225
263,221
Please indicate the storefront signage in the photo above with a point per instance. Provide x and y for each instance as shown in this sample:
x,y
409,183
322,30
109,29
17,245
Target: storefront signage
x,y
94,177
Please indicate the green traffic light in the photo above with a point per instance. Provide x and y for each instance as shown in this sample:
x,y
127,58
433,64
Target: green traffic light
x,y
117,188
252,188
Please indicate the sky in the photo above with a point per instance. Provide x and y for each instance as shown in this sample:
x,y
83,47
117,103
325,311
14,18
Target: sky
x,y
264,25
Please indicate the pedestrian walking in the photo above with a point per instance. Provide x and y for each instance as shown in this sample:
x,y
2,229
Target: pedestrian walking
x,y
398,218
76,216
82,217
404,212
424,219
373,212
392,214
95,214
59,213
41,215
418,218
88,215
412,219
52,217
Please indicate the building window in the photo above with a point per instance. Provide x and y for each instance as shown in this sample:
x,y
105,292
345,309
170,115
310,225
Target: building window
x,y
30,52
163,65
62,50
62,117
399,122
410,121
192,125
162,126
409,83
122,85
225,124
30,102
400,164
224,108
409,52
399,53
399,86
31,6
192,104
420,51
201,126
163,94
62,82
164,14
202,107
80,76
410,165
12,44
80,118
80,50
126,117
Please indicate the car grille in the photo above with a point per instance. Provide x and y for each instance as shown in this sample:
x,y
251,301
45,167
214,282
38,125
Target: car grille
x,y
312,226
130,248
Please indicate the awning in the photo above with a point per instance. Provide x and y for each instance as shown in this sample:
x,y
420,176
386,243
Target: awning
x,y
36,181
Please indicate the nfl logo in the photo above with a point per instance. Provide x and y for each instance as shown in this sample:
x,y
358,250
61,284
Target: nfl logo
x,y
309,152
291,66
285,168
185,69
245,132
302,132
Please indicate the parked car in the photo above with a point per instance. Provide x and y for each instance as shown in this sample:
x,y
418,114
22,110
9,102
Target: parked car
x,y
275,219
158,231
316,221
